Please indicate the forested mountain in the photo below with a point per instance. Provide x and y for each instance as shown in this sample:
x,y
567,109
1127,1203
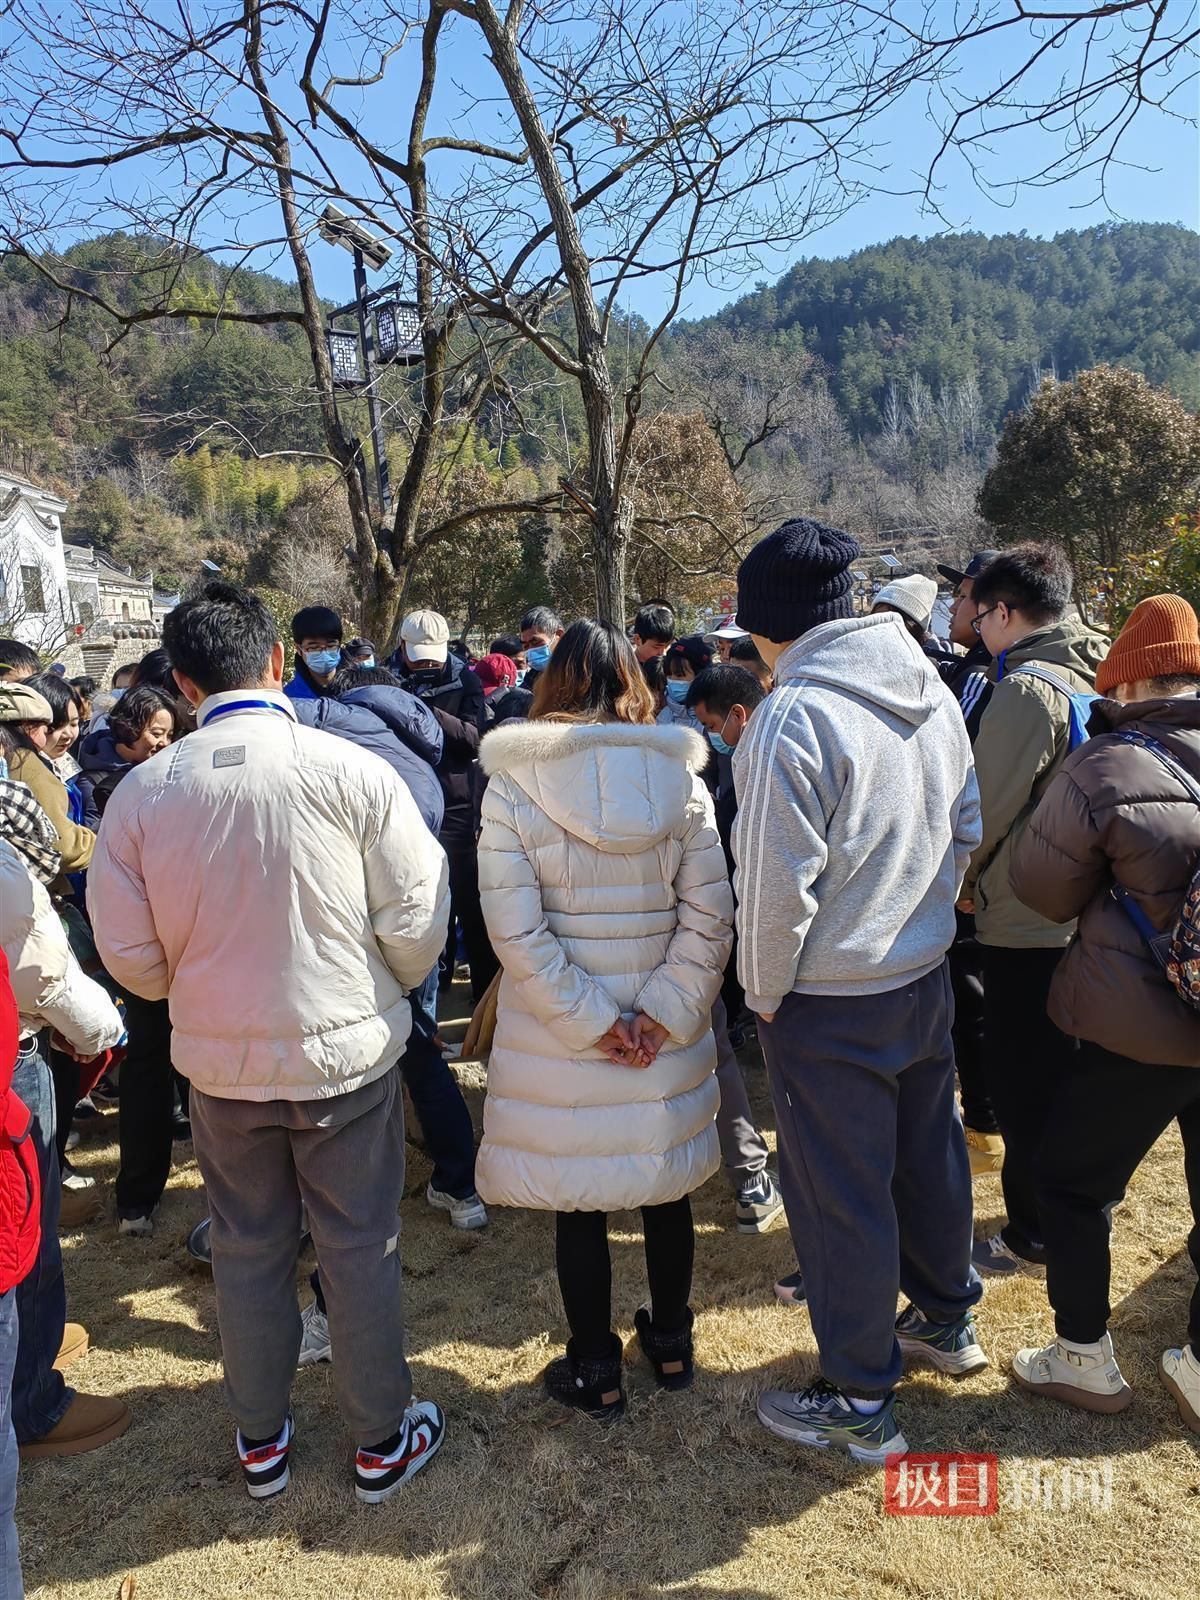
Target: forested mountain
x,y
875,387
995,309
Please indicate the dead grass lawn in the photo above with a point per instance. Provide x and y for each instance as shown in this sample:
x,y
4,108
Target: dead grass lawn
x,y
688,1498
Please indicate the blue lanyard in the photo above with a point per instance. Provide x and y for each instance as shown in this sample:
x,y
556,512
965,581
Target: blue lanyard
x,y
244,705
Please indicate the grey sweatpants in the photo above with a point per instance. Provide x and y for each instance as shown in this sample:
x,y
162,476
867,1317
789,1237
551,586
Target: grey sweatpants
x,y
874,1170
743,1148
344,1157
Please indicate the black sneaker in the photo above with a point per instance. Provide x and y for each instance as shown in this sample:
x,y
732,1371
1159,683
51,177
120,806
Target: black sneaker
x,y
265,1466
380,1469
791,1290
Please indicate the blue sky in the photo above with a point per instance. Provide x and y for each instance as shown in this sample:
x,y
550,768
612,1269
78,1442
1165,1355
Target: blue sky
x,y
1159,180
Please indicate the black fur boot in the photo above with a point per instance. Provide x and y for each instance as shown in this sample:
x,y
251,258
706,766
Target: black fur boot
x,y
593,1387
670,1354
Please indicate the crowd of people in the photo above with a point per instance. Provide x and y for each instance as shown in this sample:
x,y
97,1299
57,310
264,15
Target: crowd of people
x,y
944,882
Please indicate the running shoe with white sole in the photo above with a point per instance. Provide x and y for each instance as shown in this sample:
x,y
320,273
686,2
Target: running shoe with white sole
x,y
759,1202
265,1466
821,1415
994,1257
380,1469
314,1338
135,1224
949,1346
1180,1374
468,1213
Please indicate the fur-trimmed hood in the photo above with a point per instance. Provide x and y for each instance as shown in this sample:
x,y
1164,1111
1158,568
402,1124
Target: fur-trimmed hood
x,y
619,785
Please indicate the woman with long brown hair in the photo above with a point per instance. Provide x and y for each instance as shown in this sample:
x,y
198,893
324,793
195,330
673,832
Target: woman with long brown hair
x,y
606,896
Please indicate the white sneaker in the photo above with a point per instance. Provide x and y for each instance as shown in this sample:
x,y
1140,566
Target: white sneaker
x,y
138,1226
1180,1373
314,1340
468,1213
78,1181
1084,1375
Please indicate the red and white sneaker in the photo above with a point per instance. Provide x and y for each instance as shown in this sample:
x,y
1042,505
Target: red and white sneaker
x,y
265,1467
380,1470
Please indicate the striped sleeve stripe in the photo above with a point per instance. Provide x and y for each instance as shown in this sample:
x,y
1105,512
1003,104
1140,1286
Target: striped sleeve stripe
x,y
972,693
752,812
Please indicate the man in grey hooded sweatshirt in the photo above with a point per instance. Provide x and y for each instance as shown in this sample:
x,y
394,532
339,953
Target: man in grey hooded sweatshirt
x,y
858,812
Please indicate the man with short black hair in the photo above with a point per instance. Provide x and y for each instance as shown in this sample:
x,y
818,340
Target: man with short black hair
x,y
967,679
653,631
744,653
967,676
279,886
722,699
18,663
1041,659
541,629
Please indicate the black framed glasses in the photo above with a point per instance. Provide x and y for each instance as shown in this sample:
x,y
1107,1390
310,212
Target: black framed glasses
x,y
977,620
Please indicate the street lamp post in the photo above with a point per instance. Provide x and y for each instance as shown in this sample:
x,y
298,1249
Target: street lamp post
x,y
368,347
336,227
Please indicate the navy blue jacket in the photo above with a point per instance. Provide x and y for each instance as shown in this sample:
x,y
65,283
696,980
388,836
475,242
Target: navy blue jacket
x,y
102,770
364,729
409,718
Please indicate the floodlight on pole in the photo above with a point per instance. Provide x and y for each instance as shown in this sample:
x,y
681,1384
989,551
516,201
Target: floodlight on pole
x,y
335,227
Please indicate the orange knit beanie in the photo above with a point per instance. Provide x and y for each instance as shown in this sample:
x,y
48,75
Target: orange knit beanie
x,y
1159,639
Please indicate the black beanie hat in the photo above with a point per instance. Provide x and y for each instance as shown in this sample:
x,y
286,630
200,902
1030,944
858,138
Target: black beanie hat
x,y
316,622
795,579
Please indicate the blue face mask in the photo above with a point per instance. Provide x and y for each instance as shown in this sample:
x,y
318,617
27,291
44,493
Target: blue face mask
x,y
369,662
3,768
718,742
677,689
520,678
322,662
538,656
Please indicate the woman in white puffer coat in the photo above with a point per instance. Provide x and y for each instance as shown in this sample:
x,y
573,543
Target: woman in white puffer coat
x,y
606,896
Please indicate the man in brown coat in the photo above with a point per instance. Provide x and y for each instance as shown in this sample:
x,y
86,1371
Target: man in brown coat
x,y
1117,815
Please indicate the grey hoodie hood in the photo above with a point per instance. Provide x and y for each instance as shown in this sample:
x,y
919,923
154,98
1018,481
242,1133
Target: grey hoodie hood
x,y
874,659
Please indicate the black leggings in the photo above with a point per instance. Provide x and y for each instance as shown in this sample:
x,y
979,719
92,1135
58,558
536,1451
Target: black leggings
x,y
585,1272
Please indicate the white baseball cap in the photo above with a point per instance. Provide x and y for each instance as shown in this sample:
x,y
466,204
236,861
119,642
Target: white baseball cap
x,y
727,629
425,636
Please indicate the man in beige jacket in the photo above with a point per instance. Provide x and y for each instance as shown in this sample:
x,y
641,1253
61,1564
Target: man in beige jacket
x,y
1041,659
279,886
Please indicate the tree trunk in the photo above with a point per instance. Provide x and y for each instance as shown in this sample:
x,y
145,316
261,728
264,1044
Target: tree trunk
x,y
612,514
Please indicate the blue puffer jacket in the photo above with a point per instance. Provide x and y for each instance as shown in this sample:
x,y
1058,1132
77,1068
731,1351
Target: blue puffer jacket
x,y
366,730
409,718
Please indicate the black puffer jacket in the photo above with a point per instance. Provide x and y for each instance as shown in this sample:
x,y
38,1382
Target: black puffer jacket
x,y
1114,814
455,696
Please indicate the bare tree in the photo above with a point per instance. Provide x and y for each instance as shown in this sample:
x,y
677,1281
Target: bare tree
x,y
605,144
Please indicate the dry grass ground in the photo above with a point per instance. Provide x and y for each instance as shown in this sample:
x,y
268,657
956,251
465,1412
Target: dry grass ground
x,y
687,1498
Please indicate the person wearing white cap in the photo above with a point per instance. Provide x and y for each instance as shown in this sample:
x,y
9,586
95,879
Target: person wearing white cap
x,y
723,637
427,669
912,599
